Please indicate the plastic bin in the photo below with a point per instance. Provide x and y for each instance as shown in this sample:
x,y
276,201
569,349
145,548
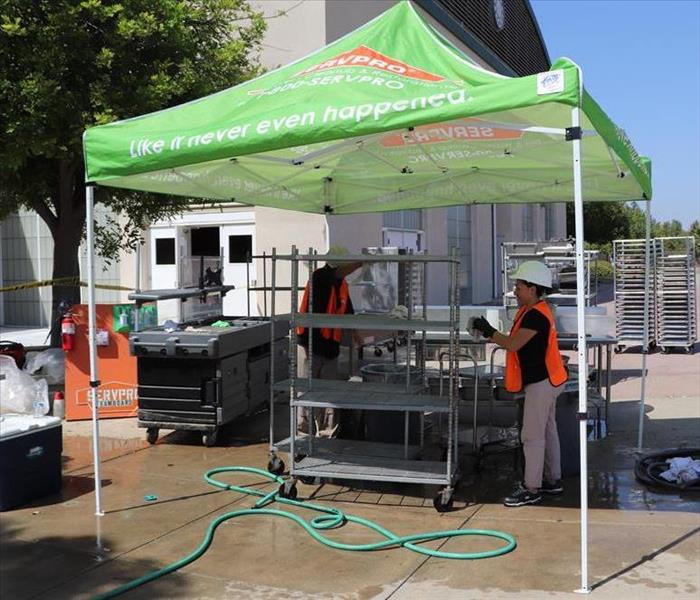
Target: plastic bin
x,y
30,458
568,429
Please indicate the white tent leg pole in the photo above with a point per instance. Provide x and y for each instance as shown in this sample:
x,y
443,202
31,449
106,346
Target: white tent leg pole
x,y
645,341
89,220
582,354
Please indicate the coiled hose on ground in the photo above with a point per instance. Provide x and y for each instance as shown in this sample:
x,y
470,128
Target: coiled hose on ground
x,y
648,468
331,518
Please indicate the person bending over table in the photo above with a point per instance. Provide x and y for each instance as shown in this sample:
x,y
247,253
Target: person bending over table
x,y
533,363
331,296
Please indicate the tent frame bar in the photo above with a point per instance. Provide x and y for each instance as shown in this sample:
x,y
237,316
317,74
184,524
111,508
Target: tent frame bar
x,y
582,349
92,329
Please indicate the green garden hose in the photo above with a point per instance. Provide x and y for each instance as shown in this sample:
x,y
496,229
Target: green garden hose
x,y
331,518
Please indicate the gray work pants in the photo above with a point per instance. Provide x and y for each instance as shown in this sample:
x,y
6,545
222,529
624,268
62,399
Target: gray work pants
x,y
539,434
323,368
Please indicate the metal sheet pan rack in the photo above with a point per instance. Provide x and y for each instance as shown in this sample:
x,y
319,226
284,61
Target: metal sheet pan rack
x,y
311,457
559,256
630,289
675,293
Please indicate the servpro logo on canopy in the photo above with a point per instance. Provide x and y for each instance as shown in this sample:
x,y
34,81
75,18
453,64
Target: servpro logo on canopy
x,y
362,56
377,69
473,130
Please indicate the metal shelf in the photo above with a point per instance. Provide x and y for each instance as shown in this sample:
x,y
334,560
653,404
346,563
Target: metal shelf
x,y
302,385
329,448
371,322
177,294
373,401
371,461
375,469
366,258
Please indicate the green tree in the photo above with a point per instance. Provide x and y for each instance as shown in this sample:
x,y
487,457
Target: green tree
x,y
67,65
695,232
602,222
673,228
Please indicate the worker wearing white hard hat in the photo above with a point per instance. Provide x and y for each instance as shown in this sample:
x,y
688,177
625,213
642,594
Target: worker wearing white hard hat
x,y
533,364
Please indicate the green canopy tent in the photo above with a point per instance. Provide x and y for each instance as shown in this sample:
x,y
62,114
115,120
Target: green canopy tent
x,y
390,117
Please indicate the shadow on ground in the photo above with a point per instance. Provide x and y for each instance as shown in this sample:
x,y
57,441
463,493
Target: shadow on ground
x,y
32,567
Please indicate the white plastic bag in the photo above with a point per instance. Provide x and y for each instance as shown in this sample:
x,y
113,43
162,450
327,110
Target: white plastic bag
x,y
50,364
18,390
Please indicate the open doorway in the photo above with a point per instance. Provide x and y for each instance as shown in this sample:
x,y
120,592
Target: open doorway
x,y
204,241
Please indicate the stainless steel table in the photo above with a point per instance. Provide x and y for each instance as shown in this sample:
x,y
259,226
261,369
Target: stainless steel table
x,y
597,343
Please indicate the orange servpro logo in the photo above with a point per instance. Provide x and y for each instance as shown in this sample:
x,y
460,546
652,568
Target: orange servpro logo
x,y
112,395
362,56
473,130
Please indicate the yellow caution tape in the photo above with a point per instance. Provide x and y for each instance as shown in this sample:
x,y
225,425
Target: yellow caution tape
x,y
61,281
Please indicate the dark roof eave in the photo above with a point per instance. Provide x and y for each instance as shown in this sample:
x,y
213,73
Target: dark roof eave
x,y
528,5
474,43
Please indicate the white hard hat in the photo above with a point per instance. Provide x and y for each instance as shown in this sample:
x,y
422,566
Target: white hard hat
x,y
533,271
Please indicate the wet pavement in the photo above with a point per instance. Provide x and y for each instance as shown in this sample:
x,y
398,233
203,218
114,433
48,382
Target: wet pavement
x,y
643,542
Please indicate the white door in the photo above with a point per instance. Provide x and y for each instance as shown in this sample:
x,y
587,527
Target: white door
x,y
238,242
400,238
164,257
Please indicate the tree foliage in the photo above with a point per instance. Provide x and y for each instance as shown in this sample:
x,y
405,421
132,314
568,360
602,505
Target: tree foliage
x,y
695,232
67,65
604,222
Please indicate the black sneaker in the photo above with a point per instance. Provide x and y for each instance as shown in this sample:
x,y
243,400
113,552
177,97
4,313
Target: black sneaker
x,y
552,488
522,496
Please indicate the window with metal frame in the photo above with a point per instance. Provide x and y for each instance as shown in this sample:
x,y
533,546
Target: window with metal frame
x,y
459,234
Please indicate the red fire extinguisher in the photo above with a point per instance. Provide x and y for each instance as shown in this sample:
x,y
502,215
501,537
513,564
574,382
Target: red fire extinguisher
x,y
67,332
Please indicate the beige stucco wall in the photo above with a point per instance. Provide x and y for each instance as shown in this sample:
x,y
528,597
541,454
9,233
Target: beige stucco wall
x,y
294,29
281,229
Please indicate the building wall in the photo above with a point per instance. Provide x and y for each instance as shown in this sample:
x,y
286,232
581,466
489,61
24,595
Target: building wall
x,y
295,29
27,256
27,250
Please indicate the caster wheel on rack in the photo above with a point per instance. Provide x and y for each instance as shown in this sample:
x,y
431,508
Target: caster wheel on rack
x,y
378,351
619,349
290,494
444,500
275,465
209,438
305,479
689,349
152,435
390,348
665,350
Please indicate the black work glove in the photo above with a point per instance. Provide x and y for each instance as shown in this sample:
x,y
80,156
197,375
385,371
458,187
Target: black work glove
x,y
482,325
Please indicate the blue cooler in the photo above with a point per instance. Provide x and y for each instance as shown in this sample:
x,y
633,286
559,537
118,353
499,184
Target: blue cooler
x,y
30,458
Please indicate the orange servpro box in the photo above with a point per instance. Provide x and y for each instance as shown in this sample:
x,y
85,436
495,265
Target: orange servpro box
x,y
117,395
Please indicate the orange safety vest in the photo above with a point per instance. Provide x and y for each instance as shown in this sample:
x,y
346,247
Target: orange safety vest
x,y
552,359
337,305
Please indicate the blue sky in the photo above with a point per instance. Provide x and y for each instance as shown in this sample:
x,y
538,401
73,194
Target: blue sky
x,y
641,62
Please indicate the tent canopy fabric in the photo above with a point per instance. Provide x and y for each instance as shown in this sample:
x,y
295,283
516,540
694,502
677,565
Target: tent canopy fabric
x,y
389,117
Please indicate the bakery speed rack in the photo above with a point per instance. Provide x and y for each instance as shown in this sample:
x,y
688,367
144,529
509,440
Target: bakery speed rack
x,y
632,289
676,293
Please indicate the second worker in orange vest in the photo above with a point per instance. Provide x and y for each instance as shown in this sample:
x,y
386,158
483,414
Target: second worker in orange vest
x,y
328,294
533,364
